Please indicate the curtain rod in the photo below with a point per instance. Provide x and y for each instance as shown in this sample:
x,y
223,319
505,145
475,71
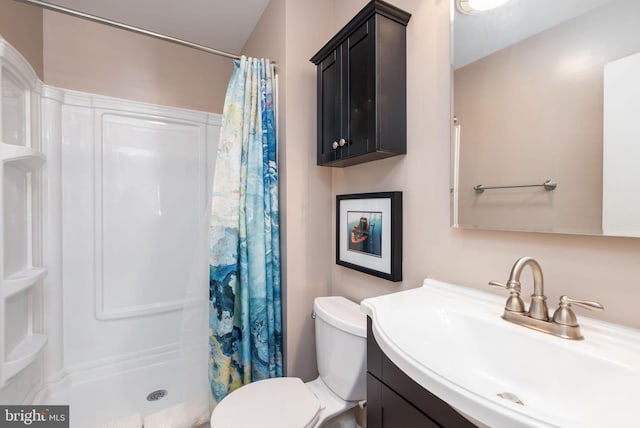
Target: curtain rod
x,y
131,28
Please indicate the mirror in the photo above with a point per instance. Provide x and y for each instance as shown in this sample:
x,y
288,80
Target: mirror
x,y
546,104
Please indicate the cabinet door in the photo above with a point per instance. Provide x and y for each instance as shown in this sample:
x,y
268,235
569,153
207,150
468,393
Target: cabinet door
x,y
398,413
359,89
329,108
386,409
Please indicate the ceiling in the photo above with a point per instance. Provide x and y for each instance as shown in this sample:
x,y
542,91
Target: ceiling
x,y
476,36
220,24
227,24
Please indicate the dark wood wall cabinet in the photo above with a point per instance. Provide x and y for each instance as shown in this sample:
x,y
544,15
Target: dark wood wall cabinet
x,y
362,89
395,401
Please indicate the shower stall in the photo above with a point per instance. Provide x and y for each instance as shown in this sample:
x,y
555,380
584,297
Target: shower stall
x,y
104,271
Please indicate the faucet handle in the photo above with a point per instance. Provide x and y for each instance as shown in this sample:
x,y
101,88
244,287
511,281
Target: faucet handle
x,y
587,304
514,302
565,316
510,285
498,284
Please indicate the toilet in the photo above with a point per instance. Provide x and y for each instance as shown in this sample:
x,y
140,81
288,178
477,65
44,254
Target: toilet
x,y
327,401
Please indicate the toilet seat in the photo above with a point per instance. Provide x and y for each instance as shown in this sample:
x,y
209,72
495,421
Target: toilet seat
x,y
271,403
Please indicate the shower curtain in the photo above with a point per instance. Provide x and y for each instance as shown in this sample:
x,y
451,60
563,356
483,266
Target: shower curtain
x,y
245,332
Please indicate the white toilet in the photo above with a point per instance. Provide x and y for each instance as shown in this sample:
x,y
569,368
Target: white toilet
x,y
326,402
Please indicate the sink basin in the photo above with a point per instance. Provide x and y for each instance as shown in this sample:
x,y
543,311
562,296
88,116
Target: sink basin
x,y
452,341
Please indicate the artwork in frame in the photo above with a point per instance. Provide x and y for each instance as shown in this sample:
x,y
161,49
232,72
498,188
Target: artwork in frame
x,y
369,233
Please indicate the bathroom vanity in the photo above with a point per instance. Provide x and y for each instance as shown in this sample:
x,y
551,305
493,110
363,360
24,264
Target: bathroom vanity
x,y
395,400
441,351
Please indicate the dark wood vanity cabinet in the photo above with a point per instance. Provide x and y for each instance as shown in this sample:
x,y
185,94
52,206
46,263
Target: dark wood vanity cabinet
x,y
395,401
362,111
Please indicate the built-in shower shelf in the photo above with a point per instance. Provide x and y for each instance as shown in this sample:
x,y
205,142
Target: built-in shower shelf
x,y
23,225
22,280
23,354
24,158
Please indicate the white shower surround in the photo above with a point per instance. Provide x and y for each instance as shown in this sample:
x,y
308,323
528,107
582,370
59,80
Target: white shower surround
x,y
122,204
135,184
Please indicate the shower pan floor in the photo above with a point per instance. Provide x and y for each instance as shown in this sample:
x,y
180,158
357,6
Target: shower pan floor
x,y
101,397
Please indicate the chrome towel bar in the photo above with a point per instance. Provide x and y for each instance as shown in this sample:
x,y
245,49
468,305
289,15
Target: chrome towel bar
x,y
548,185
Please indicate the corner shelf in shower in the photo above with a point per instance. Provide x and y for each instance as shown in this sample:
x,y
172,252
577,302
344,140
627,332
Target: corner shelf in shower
x,y
23,158
22,280
23,185
27,160
24,354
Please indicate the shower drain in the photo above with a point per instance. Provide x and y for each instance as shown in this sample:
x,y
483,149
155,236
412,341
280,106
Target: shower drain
x,y
157,395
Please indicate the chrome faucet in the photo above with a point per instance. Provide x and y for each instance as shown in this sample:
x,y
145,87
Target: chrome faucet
x,y
564,322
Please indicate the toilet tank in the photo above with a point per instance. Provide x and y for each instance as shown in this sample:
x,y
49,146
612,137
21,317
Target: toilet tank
x,y
341,346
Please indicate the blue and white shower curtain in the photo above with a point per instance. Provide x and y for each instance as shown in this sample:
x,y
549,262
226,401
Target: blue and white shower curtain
x,y
245,331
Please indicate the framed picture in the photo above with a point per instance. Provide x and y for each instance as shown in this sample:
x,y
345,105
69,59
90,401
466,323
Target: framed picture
x,y
369,233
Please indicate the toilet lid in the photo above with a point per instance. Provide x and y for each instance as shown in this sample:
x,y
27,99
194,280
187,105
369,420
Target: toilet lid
x,y
271,403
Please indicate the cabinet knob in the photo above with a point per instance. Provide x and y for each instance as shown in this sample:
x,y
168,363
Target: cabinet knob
x,y
334,145
342,142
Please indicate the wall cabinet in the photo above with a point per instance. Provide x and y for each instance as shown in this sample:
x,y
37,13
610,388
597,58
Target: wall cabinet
x,y
362,100
395,401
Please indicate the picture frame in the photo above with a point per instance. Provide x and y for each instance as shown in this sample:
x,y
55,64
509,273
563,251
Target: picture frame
x,y
369,233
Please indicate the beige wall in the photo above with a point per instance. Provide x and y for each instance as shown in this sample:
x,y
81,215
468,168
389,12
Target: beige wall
x,y
308,188
516,129
533,111
96,58
305,189
590,267
422,174
599,268
21,25
72,53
